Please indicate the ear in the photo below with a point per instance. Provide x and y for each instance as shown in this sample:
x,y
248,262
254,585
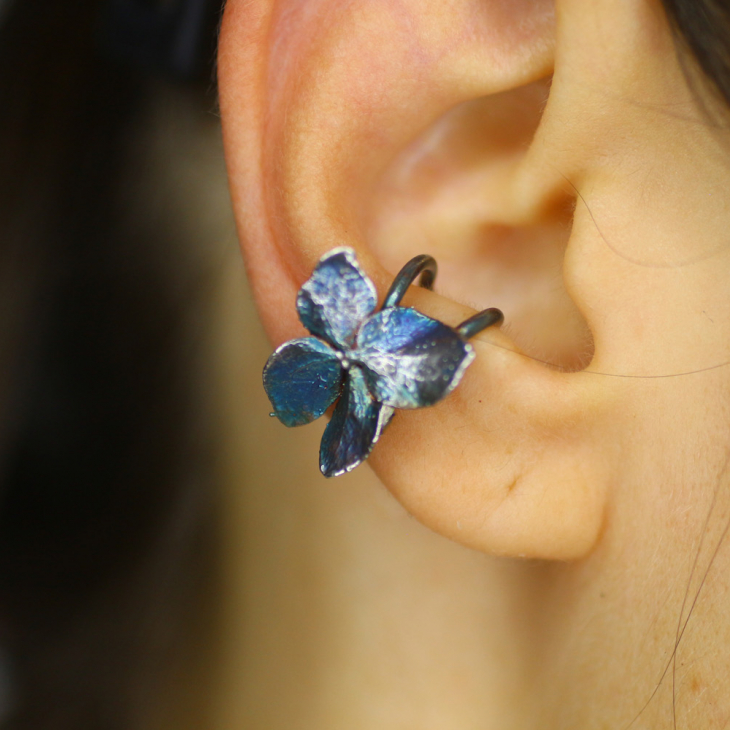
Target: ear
x,y
399,128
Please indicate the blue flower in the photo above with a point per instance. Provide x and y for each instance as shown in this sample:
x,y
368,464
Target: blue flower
x,y
372,362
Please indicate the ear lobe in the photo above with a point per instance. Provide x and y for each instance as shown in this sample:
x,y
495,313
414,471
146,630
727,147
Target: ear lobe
x,y
512,462
318,99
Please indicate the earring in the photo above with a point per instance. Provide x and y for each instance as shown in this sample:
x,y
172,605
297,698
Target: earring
x,y
370,362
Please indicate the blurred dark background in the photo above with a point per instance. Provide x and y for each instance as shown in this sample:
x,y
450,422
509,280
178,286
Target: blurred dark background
x,y
107,464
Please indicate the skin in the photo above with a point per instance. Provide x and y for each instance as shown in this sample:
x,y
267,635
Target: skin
x,y
558,164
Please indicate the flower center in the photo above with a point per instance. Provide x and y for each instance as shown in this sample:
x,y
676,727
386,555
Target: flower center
x,y
345,359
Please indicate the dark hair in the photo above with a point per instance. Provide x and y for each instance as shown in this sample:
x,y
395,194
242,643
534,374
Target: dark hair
x,y
704,26
106,480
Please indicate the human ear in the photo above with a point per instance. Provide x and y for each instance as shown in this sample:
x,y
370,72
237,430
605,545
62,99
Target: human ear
x,y
328,108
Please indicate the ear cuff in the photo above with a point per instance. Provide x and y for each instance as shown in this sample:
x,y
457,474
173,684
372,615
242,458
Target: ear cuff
x,y
369,363
426,267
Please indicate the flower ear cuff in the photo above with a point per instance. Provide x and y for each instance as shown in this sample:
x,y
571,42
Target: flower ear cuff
x,y
373,362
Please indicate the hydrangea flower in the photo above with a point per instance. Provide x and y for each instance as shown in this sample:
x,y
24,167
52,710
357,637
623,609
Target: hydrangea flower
x,y
373,362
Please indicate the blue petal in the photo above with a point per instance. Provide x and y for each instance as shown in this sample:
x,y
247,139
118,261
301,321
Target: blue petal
x,y
302,379
355,426
337,298
409,359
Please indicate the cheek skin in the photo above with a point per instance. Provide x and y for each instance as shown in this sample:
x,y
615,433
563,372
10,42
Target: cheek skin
x,y
646,262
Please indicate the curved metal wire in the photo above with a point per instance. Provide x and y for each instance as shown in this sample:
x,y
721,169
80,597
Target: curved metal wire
x,y
480,321
424,266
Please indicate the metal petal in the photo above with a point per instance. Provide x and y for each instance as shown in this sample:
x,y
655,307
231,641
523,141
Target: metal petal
x,y
337,298
302,379
355,426
409,359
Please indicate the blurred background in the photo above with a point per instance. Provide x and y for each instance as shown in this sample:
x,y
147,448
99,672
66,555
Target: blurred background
x,y
120,280
170,556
